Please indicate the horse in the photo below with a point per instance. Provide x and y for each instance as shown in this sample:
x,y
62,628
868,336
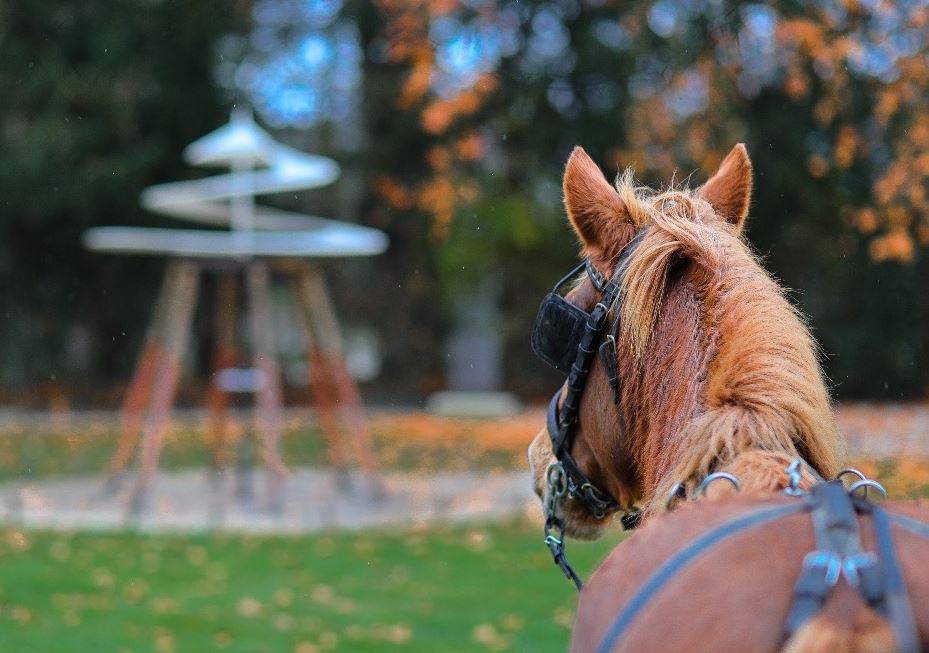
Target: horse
x,y
704,372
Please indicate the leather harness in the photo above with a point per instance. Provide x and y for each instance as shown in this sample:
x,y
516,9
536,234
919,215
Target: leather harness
x,y
835,512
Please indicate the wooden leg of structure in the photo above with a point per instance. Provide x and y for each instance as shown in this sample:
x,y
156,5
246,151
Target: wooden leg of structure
x,y
268,422
140,387
317,307
180,305
225,355
322,391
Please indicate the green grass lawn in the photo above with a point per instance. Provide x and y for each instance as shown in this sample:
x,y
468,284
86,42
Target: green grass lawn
x,y
448,589
467,588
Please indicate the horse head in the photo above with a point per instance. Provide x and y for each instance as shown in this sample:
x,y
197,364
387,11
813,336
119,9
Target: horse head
x,y
716,370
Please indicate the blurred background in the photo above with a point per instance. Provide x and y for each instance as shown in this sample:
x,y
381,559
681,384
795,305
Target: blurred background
x,y
451,121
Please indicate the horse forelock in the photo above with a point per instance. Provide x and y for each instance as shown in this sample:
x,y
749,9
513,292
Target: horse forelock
x,y
679,225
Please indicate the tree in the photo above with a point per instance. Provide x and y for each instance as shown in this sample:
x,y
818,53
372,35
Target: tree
x,y
99,98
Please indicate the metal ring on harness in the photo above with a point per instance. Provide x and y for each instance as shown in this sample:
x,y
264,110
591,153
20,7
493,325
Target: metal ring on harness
x,y
715,476
794,477
867,483
557,480
853,471
679,491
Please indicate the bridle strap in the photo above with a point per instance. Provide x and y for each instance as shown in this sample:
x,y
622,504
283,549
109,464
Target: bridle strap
x,y
561,419
596,501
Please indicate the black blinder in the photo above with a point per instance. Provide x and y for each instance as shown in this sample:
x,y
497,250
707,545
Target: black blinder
x,y
559,327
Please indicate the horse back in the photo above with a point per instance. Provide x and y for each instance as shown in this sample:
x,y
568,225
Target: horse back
x,y
735,595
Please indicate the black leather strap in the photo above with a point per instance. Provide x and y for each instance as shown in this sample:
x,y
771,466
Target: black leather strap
x,y
562,418
835,525
611,365
898,610
878,579
597,502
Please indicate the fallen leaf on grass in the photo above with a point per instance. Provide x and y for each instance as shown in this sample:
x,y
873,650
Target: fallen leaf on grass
x,y
487,635
21,614
135,590
478,541
196,555
322,594
164,605
563,617
399,634
306,647
104,578
248,606
164,641
284,597
512,622
283,621
328,640
17,541
222,639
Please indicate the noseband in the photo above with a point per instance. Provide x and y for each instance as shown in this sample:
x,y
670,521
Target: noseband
x,y
567,338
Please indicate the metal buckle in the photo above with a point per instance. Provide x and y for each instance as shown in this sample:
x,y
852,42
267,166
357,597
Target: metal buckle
x,y
555,543
853,564
598,317
794,476
611,341
598,280
830,563
594,501
557,486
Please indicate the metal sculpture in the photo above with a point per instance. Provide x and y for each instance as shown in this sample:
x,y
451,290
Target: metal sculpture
x,y
260,239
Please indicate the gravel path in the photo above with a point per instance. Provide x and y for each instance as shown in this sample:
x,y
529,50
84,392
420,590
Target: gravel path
x,y
313,500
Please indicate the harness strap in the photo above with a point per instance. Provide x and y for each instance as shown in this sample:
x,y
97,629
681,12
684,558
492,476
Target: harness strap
x,y
898,610
682,558
838,541
915,526
610,364
880,582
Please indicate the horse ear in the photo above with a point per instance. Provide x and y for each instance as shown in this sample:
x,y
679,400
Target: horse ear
x,y
729,191
597,213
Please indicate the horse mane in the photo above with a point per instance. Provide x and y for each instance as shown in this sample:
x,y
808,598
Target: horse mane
x,y
763,389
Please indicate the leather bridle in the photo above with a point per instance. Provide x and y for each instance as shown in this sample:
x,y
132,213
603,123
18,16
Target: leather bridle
x,y
565,479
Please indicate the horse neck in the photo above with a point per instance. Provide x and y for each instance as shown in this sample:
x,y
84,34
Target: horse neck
x,y
731,368
662,392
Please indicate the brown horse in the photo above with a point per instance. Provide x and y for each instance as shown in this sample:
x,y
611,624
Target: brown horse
x,y
719,373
